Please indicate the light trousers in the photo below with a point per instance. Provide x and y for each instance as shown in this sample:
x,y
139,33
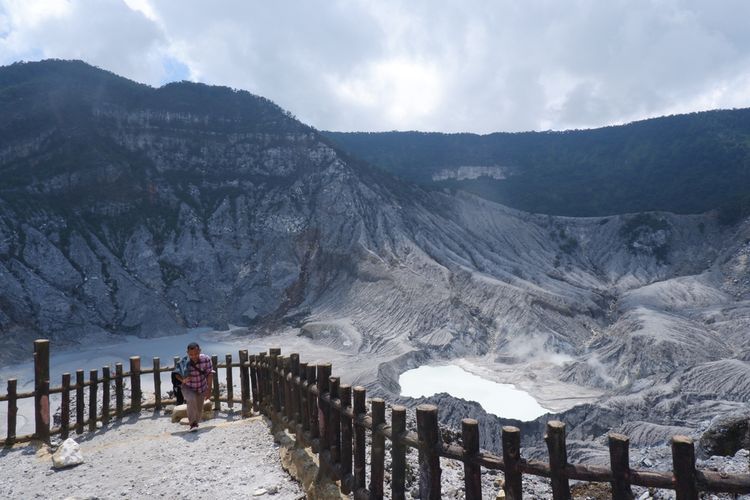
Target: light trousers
x,y
194,401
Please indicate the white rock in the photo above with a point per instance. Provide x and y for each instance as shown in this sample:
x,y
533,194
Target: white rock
x,y
259,492
180,411
67,455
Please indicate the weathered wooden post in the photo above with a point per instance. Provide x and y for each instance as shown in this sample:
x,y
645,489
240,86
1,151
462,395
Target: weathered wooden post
x,y
360,445
119,396
619,458
398,453
377,464
429,459
304,409
41,389
80,382
135,383
558,459
345,395
93,389
157,383
335,420
472,471
245,383
294,411
262,384
175,362
215,388
683,463
65,406
511,439
287,389
274,354
312,403
254,384
106,381
324,374
12,411
230,381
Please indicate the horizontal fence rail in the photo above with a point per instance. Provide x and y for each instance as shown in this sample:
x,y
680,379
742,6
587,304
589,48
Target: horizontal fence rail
x,y
332,419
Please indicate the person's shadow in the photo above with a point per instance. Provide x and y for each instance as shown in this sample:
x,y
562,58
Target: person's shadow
x,y
191,436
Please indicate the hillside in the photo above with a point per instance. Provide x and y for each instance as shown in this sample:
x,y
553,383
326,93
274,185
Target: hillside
x,y
684,164
129,210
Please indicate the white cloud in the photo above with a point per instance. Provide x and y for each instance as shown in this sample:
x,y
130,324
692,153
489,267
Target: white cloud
x,y
481,66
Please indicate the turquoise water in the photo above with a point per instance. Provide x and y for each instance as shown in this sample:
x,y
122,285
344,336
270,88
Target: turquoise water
x,y
503,400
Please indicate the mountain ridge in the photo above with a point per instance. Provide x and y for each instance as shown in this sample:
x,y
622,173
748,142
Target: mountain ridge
x,y
121,219
689,163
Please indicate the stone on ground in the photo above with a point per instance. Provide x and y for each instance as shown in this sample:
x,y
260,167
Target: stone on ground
x,y
67,455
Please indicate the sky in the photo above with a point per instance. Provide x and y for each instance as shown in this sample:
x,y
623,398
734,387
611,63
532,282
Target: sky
x,y
451,65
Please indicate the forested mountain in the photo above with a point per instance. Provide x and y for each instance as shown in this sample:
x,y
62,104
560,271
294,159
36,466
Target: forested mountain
x,y
684,164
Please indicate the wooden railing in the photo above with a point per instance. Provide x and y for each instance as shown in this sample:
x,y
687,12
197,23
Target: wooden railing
x,y
332,419
42,391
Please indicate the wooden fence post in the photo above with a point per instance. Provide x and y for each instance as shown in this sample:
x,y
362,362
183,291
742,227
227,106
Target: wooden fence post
x,y
304,408
345,395
93,389
683,464
106,381
558,459
245,383
12,411
377,459
119,397
79,401
324,374
472,472
287,389
360,445
294,411
312,403
41,390
274,354
65,406
230,380
157,383
262,385
215,388
511,439
619,458
429,459
334,419
135,383
175,362
254,385
398,453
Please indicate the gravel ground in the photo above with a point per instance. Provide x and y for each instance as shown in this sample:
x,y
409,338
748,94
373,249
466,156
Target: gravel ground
x,y
148,456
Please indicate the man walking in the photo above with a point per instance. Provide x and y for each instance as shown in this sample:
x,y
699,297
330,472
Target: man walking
x,y
196,373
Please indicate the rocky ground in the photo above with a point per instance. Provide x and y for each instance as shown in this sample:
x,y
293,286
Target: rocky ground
x,y
150,457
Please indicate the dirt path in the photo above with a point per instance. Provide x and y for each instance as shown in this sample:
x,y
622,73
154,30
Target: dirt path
x,y
148,456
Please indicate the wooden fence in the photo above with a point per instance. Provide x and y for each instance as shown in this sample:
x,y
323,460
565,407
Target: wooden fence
x,y
332,419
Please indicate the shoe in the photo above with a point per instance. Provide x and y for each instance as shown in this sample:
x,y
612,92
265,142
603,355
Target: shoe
x,y
194,427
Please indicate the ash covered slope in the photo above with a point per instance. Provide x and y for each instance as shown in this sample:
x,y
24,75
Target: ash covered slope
x,y
131,210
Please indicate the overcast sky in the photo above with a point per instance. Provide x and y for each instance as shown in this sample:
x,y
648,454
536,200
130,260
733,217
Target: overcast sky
x,y
475,66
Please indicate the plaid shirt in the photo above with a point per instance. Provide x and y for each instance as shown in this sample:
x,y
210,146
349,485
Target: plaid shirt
x,y
198,374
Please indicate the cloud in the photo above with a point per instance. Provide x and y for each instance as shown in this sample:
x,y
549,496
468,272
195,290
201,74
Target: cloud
x,y
106,33
480,66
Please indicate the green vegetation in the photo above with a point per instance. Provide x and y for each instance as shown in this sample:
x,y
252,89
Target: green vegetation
x,y
684,164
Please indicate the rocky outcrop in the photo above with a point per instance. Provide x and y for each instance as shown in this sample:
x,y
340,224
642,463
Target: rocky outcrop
x,y
726,435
